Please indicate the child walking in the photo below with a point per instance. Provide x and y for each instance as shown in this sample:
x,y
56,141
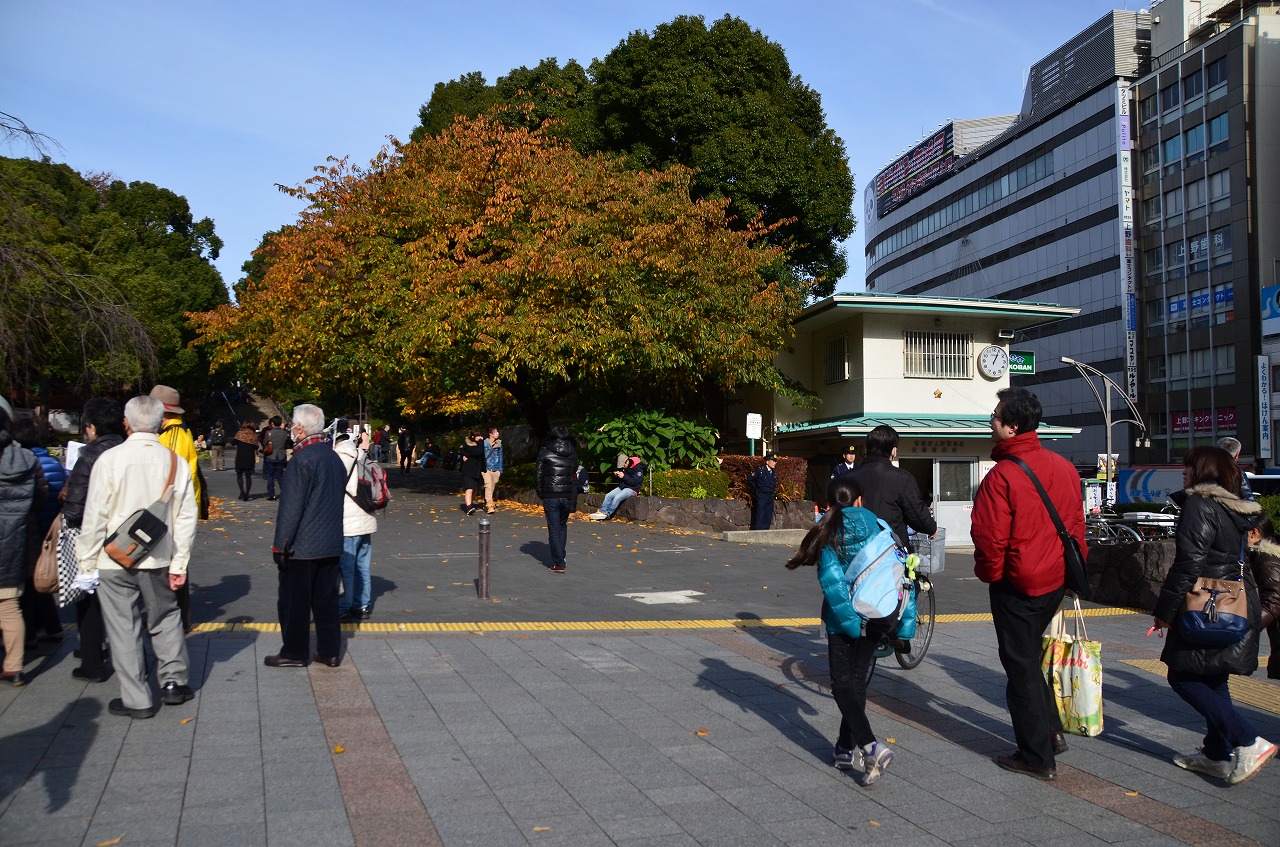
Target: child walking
x,y
830,546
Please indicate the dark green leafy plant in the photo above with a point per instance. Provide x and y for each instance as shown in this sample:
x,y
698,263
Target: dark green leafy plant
x,y
663,442
691,484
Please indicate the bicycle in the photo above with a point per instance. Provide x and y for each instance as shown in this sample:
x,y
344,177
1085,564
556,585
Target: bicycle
x,y
910,653
1106,528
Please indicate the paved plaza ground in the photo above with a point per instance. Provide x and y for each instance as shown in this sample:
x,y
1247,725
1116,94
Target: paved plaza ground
x,y
669,689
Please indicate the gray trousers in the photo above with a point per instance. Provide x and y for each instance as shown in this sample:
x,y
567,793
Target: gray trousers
x,y
118,593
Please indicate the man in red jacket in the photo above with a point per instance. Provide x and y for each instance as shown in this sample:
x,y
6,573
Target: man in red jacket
x,y
1017,552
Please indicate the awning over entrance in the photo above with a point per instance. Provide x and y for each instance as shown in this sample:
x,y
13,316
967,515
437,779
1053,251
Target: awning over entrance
x,y
911,426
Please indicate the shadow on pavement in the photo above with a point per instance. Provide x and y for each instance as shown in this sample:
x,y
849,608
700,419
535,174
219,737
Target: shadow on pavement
x,y
57,748
754,693
213,600
539,550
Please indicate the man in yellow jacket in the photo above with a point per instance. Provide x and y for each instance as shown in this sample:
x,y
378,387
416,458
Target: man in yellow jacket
x,y
175,435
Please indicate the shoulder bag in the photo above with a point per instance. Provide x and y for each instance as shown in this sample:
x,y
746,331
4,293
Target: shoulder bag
x,y
46,574
1076,576
142,531
1215,612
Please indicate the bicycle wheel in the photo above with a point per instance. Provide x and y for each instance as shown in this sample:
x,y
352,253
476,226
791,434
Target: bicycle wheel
x,y
1126,534
926,614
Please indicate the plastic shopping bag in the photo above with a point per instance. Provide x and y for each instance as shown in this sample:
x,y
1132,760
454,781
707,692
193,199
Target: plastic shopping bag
x,y
1073,665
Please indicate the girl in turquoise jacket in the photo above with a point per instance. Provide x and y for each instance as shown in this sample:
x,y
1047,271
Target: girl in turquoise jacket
x,y
830,546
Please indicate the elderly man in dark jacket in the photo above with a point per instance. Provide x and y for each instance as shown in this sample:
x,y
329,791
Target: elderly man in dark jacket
x,y
888,491
308,545
557,485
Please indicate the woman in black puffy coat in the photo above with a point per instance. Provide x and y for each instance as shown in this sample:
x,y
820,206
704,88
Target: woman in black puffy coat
x,y
1265,556
472,467
1211,537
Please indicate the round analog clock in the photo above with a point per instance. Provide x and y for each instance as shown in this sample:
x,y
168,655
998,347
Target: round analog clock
x,y
993,361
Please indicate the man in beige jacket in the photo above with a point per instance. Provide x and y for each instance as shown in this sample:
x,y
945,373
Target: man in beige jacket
x,y
125,479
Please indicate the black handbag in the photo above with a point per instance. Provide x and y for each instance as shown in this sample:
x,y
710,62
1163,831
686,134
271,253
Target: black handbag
x,y
1076,577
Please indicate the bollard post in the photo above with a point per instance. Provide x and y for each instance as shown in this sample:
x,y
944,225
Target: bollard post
x,y
485,529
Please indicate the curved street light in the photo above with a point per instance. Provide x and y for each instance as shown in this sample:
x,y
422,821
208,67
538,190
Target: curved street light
x,y
1087,372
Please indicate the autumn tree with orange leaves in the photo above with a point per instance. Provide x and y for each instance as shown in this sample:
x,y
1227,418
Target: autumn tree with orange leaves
x,y
493,256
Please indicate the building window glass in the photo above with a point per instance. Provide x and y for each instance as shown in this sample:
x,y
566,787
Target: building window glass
x,y
1201,361
1220,240
1155,367
1151,210
1175,259
1177,371
1216,73
1150,164
835,361
1169,98
1155,313
1218,133
1201,307
1153,261
1198,248
1147,109
1224,363
1173,207
1224,303
1219,190
1172,149
1192,86
1195,194
1193,144
944,355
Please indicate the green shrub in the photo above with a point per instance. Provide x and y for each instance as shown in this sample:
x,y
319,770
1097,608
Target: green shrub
x,y
694,484
519,476
1270,504
663,442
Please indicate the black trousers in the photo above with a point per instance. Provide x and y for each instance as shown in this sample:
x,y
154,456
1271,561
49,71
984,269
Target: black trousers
x,y
851,661
93,635
1020,621
309,589
762,512
557,510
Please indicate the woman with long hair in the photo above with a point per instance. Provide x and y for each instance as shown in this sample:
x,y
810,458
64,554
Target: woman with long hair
x,y
830,546
247,447
1212,530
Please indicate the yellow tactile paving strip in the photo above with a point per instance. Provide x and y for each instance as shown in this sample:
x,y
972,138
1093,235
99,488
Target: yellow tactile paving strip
x,y
581,626
1260,695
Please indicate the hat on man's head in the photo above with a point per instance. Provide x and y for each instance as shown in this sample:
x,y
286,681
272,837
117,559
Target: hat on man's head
x,y
169,397
852,448
771,457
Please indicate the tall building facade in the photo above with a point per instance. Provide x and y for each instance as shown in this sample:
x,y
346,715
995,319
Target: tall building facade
x,y
1043,211
1207,175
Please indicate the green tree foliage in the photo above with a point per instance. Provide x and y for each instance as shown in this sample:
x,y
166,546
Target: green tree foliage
x,y
493,257
97,277
663,441
720,100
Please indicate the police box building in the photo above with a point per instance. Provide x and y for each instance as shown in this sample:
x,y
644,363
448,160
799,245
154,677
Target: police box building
x,y
1035,206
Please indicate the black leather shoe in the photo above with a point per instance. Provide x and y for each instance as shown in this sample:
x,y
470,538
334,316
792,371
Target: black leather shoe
x,y
174,694
327,662
1059,742
1014,762
279,661
117,707
79,673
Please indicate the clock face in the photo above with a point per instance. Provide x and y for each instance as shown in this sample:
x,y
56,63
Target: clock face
x,y
993,361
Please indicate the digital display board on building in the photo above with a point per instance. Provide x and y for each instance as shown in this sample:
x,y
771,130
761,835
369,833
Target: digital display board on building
x,y
915,170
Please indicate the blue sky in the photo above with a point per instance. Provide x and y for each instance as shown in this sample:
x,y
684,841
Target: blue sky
x,y
221,101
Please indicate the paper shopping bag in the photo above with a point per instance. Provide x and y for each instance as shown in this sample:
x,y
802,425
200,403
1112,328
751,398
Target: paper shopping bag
x,y
1073,665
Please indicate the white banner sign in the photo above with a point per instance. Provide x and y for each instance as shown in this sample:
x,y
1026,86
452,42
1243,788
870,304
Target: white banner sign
x,y
1264,407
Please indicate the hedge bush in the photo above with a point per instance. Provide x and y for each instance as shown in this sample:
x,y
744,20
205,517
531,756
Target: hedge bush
x,y
792,473
690,484
519,476
1270,504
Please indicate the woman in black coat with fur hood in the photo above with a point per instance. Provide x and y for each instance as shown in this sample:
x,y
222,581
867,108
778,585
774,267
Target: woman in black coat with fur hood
x,y
1212,533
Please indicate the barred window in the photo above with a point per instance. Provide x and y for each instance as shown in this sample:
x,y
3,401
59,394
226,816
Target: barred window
x,y
948,355
836,359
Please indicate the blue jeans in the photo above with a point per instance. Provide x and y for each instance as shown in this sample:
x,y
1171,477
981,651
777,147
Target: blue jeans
x,y
357,552
1208,694
274,472
616,498
557,510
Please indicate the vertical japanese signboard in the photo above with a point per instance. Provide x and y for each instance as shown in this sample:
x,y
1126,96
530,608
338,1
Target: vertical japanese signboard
x,y
1264,407
1128,292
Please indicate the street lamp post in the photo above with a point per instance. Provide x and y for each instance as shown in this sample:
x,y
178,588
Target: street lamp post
x,y
1104,401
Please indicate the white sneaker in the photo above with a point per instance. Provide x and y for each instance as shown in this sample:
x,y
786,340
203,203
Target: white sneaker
x,y
598,516
1200,763
1249,760
875,761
